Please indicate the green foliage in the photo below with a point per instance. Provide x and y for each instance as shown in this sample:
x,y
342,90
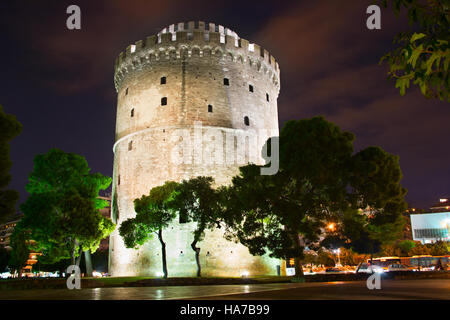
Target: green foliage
x,y
406,246
153,215
319,181
20,248
422,56
62,211
9,128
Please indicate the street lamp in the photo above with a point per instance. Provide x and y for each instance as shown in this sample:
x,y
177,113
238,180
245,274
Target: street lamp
x,y
338,251
331,227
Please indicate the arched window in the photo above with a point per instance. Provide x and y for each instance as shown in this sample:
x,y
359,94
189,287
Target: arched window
x,y
132,113
210,108
226,82
267,97
250,88
126,91
246,121
130,145
163,80
164,101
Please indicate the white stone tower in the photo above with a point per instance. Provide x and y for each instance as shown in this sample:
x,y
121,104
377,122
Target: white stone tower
x,y
203,81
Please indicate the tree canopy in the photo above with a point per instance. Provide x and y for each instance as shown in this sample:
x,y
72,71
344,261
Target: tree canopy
x,y
9,129
62,212
153,215
422,55
320,181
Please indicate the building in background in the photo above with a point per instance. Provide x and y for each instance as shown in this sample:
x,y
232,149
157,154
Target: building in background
x,y
434,226
442,206
7,229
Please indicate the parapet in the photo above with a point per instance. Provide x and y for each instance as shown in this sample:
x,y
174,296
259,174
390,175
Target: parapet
x,y
195,38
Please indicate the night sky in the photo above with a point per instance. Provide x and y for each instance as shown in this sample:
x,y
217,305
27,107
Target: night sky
x,y
59,83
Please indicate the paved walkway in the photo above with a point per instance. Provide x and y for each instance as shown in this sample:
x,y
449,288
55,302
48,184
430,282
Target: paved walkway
x,y
390,289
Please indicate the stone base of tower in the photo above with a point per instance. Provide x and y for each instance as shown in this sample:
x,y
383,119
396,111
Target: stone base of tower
x,y
218,257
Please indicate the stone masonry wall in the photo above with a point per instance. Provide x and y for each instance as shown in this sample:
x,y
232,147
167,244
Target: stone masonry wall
x,y
152,139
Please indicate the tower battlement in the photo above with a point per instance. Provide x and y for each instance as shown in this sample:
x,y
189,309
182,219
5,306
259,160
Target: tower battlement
x,y
184,40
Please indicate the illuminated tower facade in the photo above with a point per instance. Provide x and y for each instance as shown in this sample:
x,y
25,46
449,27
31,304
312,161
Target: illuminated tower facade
x,y
187,81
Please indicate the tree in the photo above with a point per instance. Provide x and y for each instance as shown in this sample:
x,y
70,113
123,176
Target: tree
x,y
9,128
320,180
4,259
325,258
405,247
196,201
62,212
153,215
439,248
20,249
423,55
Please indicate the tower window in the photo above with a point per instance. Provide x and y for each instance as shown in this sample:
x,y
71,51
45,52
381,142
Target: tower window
x,y
132,113
130,145
163,80
267,97
183,217
226,82
126,91
250,88
246,121
210,108
118,180
164,101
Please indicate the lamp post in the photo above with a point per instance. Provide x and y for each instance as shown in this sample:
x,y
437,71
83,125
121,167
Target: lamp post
x,y
338,251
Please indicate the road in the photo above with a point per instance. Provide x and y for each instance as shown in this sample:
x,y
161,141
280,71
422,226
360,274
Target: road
x,y
356,290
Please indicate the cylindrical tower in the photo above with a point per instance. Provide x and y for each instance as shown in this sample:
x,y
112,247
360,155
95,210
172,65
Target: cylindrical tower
x,y
193,100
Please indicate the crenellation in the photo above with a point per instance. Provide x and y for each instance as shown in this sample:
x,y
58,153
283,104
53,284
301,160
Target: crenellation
x,y
166,38
198,35
222,42
230,42
150,41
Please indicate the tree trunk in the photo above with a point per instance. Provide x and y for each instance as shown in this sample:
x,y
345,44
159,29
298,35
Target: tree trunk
x,y
197,257
88,262
298,267
297,260
80,253
359,265
163,253
72,253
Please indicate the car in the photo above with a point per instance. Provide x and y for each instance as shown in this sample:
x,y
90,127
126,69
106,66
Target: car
x,y
398,267
367,268
334,270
